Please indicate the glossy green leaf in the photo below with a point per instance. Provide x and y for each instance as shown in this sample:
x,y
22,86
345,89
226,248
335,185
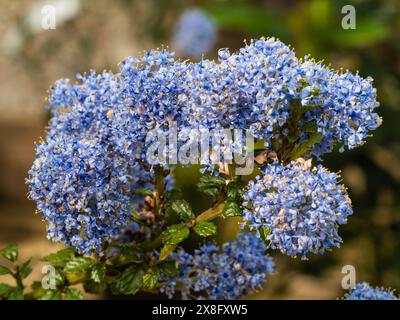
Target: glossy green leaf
x,y
165,251
211,185
61,257
151,277
175,234
4,270
78,265
236,190
93,287
304,148
25,268
169,268
205,228
10,252
51,295
232,209
264,232
129,282
98,272
73,294
183,209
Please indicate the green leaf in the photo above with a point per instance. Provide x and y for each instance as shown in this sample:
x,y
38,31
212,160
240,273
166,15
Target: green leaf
x,y
232,209
175,234
298,111
166,251
61,257
5,290
78,265
236,190
48,280
211,185
16,294
37,290
10,252
130,255
129,282
92,287
73,278
4,270
25,268
205,228
98,272
169,268
183,209
135,215
304,148
174,194
144,192
73,294
59,277
264,232
150,278
51,295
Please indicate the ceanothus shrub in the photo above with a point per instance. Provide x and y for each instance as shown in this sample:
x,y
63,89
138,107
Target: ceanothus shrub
x,y
123,221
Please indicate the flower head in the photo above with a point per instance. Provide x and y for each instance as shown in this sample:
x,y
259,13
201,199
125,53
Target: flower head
x,y
240,267
299,207
363,291
342,106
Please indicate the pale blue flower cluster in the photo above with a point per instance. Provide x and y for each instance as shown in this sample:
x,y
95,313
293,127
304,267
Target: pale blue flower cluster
x,y
235,270
363,291
250,89
342,106
263,85
84,175
299,207
195,34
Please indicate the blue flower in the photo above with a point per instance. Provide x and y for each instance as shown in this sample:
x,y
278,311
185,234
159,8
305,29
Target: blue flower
x,y
94,155
344,106
83,190
363,291
238,269
299,207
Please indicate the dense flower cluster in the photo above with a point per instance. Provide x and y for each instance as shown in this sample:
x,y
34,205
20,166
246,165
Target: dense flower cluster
x,y
238,269
342,106
264,85
80,179
363,291
195,34
246,90
300,207
94,157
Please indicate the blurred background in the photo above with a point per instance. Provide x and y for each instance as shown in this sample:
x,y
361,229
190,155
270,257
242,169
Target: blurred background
x,y
99,34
